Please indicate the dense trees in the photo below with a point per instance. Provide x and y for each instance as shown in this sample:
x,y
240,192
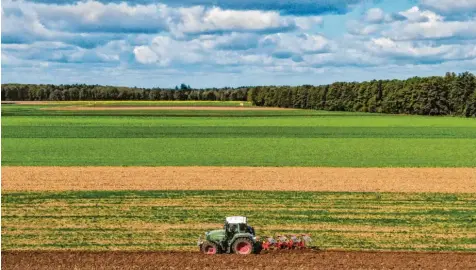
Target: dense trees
x,y
449,95
453,94
32,92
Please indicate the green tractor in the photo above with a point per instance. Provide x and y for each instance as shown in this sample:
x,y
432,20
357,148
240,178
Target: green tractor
x,y
236,237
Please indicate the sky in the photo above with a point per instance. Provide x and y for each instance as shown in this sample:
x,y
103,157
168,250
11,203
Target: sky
x,y
219,43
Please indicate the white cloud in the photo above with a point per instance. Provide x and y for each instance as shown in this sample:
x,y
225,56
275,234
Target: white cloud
x,y
308,22
202,20
374,15
417,25
92,16
429,25
422,37
145,55
414,14
360,29
61,52
378,16
164,50
435,30
389,46
450,6
224,50
232,41
296,43
421,51
54,20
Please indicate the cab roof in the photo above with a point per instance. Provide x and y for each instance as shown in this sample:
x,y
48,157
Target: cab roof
x,y
236,219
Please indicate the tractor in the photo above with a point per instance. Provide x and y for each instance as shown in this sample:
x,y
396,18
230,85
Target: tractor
x,y
235,237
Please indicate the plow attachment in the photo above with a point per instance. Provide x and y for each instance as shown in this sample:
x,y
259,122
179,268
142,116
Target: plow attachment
x,y
284,242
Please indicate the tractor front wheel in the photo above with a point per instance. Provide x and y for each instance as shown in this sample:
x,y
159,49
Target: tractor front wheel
x,y
209,248
243,246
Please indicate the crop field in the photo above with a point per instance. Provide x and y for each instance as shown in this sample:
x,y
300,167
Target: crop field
x,y
327,139
158,220
138,182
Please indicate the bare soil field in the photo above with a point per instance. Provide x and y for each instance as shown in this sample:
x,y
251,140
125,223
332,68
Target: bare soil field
x,y
27,102
195,260
444,180
164,108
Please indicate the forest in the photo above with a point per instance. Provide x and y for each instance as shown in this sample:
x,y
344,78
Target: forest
x,y
452,94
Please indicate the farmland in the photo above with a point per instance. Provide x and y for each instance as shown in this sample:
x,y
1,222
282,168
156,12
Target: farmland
x,y
293,138
44,178
158,220
193,260
141,179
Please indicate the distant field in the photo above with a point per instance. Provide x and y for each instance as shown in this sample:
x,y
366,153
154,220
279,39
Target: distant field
x,y
138,103
332,152
55,178
255,138
159,220
202,110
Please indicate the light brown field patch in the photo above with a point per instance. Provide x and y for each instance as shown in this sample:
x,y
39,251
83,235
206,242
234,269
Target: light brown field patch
x,y
164,108
444,180
38,102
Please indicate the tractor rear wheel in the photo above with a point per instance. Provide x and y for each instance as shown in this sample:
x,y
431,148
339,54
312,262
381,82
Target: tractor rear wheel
x,y
243,246
209,248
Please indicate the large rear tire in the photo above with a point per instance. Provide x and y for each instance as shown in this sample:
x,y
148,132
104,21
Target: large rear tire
x,y
209,248
243,246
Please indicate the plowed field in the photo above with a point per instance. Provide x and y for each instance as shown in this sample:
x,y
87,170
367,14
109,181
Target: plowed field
x,y
194,260
443,180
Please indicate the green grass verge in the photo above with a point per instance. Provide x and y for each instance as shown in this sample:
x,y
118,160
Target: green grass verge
x,y
158,220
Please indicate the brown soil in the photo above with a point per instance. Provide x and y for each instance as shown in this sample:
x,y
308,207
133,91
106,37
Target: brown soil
x,y
163,108
195,260
446,180
27,102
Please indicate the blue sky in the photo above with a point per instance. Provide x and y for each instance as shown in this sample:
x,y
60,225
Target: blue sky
x,y
217,43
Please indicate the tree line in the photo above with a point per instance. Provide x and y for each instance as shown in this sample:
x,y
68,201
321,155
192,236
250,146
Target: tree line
x,y
452,94
76,92
449,95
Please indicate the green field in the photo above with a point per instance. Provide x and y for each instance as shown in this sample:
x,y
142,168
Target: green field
x,y
158,220
35,137
172,220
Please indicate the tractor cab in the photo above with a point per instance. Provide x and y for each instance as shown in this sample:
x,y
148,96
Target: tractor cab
x,y
237,224
236,237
